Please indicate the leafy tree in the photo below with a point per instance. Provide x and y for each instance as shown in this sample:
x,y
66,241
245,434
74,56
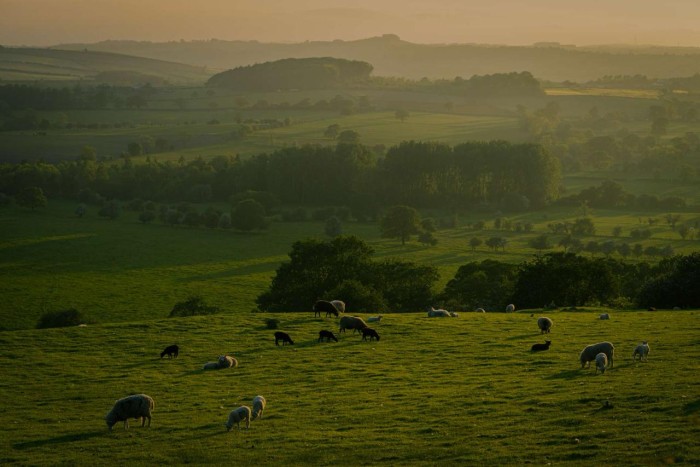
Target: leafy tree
x,y
428,224
134,149
617,231
541,242
608,248
475,242
401,115
624,249
348,137
225,221
80,210
360,297
147,216
497,242
400,222
672,219
332,131
488,284
684,231
249,215
583,226
111,209
427,238
31,197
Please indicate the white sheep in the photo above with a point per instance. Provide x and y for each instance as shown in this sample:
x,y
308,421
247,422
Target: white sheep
x,y
605,316
374,319
480,310
433,313
545,325
589,353
642,350
136,406
339,305
238,415
226,361
601,361
454,314
510,308
259,404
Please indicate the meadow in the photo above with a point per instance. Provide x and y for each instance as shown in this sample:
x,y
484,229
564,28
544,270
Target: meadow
x,y
431,392
121,270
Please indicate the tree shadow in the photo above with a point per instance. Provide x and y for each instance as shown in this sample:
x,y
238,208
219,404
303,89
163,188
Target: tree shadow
x,y
59,440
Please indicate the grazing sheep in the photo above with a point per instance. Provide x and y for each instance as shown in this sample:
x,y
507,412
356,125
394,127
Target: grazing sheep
x,y
374,319
328,307
171,351
136,406
433,313
605,316
510,308
226,361
651,308
326,335
369,332
642,350
540,347
589,353
284,337
601,361
237,416
453,314
351,322
259,404
480,310
211,366
339,305
545,325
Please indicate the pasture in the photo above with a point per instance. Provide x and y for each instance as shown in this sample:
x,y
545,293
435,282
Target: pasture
x,y
432,391
121,270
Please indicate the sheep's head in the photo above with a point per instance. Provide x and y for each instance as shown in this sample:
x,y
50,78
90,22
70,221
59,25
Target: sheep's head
x,y
548,342
111,420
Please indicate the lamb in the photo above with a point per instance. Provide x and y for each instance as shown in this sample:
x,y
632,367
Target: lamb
x,y
170,351
226,361
328,335
135,406
284,337
605,316
369,332
374,319
351,322
259,404
510,308
328,307
589,353
540,347
433,313
642,350
545,325
237,416
601,360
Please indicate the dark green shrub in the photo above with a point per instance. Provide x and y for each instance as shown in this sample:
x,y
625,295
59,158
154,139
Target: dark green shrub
x,y
60,319
272,323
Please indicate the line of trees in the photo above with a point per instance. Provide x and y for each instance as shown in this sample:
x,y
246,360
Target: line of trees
x,y
413,173
343,268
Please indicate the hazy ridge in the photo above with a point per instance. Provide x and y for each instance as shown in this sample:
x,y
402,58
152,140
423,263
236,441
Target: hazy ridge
x,y
392,56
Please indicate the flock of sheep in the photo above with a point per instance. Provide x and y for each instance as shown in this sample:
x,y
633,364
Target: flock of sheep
x,y
139,406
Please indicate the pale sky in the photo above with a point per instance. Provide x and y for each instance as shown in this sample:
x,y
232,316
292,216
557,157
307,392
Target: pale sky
x,y
516,22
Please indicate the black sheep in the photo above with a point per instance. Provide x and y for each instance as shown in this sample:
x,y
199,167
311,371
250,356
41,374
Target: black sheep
x,y
539,347
284,337
324,305
369,332
170,351
328,335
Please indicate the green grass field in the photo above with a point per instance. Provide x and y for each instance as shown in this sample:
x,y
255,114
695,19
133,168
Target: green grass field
x,y
121,270
430,392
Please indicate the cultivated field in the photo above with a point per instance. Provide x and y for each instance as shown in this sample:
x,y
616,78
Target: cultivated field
x,y
430,392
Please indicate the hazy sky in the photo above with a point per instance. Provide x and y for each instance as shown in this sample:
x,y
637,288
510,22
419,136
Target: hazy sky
x,y
48,22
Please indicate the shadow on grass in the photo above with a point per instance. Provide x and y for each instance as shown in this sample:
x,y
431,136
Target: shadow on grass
x,y
59,440
691,407
567,374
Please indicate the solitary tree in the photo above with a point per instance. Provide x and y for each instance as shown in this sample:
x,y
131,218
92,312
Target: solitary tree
x,y
401,115
400,222
541,242
348,137
249,215
332,131
475,242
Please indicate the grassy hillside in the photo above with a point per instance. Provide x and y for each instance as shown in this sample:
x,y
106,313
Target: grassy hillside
x,y
32,64
431,391
121,270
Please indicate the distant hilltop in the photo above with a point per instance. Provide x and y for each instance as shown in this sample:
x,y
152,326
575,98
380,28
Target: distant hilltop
x,y
391,56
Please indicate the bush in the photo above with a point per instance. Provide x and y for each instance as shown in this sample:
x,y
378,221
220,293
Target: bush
x,y
193,306
60,319
272,323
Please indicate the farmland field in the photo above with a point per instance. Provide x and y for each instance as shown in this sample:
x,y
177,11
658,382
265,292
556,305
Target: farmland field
x,y
431,391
